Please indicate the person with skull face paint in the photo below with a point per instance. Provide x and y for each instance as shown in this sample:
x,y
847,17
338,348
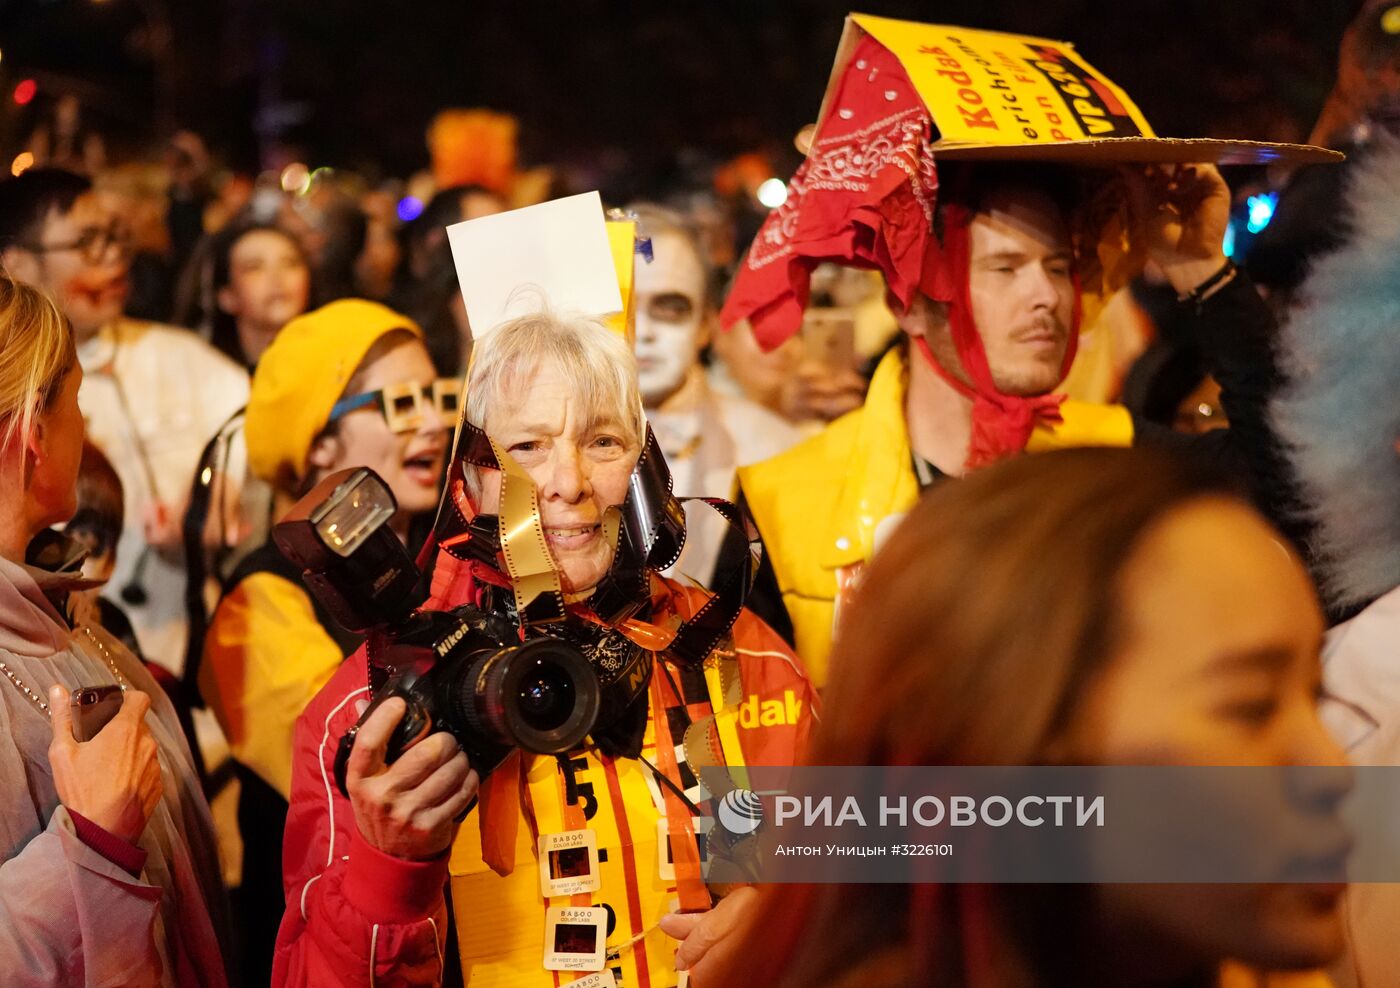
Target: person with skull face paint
x,y
551,402
705,435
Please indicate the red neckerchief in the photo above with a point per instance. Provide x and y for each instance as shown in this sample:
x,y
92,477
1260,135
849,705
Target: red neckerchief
x,y
1001,423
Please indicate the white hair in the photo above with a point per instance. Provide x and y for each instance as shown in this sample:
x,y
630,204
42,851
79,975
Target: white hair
x,y
598,364
1339,415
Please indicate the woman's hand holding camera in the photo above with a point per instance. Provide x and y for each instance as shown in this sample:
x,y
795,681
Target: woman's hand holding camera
x,y
114,779
409,809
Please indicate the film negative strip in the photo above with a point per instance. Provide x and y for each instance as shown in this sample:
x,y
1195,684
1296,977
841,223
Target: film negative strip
x,y
539,594
652,536
459,530
647,532
739,558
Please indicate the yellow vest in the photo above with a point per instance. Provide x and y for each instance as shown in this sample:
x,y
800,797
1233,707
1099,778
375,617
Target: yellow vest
x,y
819,504
266,657
763,712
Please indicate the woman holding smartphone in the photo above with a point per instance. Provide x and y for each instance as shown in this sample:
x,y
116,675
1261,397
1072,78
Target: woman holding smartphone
x,y
108,864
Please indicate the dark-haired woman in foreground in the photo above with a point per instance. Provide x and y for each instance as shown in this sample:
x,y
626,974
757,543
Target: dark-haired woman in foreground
x,y
1087,607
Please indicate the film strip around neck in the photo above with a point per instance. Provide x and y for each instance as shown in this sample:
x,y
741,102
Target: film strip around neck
x,y
651,538
459,530
647,533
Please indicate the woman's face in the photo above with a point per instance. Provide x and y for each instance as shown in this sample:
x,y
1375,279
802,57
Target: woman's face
x,y
57,451
1218,666
268,281
410,461
580,468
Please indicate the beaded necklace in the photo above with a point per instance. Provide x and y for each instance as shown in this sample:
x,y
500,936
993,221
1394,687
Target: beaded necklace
x,y
39,700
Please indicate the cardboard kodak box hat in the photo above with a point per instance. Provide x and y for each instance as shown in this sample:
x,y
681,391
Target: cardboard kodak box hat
x,y
903,96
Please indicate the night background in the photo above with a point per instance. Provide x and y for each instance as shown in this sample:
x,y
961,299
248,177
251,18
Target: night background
x,y
623,94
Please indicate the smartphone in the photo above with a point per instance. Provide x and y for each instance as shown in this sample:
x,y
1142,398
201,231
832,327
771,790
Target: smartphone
x,y
830,337
92,707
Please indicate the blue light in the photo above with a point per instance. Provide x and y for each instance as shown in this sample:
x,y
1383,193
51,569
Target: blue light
x,y
1261,211
1228,246
410,208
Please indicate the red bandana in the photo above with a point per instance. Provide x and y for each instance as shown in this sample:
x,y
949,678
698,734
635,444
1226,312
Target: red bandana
x,y
865,198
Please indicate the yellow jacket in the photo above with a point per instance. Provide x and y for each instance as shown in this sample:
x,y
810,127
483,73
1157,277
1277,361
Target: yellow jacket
x,y
265,656
820,504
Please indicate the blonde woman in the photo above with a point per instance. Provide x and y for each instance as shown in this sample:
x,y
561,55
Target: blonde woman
x,y
110,870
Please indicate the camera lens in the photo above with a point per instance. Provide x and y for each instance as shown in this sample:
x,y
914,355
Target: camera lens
x,y
547,696
542,696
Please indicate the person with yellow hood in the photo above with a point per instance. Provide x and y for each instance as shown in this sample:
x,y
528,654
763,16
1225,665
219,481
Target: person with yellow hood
x,y
347,385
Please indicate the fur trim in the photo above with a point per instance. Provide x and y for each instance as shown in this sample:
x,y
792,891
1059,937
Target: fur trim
x,y
1339,413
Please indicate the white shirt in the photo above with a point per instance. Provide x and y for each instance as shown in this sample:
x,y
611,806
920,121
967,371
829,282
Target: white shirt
x,y
706,437
1361,677
152,396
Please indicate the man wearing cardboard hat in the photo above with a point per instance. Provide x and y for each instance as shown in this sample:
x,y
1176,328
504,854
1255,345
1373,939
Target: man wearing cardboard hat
x,y
990,259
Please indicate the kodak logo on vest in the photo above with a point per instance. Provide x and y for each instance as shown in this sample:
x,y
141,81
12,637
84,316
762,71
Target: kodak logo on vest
x,y
770,713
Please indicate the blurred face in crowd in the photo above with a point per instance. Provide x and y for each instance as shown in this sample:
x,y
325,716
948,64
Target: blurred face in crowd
x,y
411,460
1022,293
1218,665
580,460
671,316
761,375
82,258
268,285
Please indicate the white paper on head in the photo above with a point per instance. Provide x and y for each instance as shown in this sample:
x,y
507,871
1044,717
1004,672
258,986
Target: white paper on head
x,y
556,251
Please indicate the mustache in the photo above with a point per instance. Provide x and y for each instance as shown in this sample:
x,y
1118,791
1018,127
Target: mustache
x,y
1042,325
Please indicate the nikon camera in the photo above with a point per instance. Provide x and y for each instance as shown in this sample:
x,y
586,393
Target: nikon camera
x,y
464,671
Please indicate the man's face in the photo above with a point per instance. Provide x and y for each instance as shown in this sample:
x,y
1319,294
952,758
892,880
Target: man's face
x,y
1021,291
90,285
671,314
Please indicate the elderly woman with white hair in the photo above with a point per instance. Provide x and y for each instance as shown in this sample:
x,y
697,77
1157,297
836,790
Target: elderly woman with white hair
x,y
555,399
1339,423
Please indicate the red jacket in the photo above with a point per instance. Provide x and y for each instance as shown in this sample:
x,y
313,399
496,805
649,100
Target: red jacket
x,y
356,916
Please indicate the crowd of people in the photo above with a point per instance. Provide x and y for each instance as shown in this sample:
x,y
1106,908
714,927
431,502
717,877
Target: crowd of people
x,y
979,522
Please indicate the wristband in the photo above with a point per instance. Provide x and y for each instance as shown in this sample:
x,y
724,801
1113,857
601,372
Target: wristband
x,y
1199,295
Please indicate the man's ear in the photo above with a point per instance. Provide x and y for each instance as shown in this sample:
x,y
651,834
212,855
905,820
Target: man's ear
x,y
923,315
21,264
709,327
